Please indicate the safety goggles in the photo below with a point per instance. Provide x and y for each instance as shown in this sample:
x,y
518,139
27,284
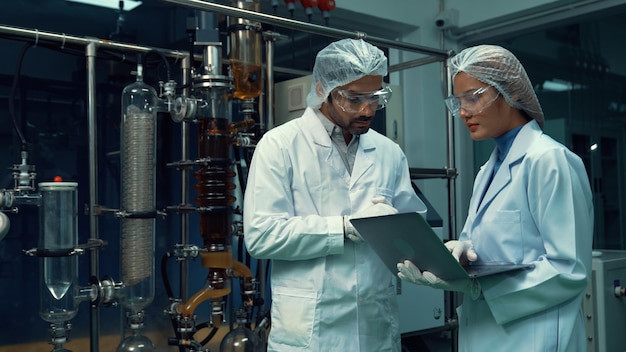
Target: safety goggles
x,y
352,102
471,102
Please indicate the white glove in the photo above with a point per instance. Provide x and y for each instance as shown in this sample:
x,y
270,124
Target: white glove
x,y
380,207
462,251
409,272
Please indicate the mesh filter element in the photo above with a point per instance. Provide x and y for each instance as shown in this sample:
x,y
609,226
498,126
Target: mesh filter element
x,y
137,166
136,248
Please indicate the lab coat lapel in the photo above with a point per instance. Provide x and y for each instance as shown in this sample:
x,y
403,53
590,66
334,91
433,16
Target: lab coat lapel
x,y
482,181
318,134
524,138
499,181
363,161
313,127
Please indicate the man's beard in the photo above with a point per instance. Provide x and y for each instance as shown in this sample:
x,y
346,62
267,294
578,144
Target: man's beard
x,y
350,127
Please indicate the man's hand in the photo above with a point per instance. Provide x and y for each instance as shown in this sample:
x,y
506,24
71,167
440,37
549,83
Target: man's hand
x,y
380,207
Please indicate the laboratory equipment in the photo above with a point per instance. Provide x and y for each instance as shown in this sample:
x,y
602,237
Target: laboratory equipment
x,y
604,304
5,225
58,238
326,6
210,108
137,210
23,192
245,52
214,181
308,7
241,339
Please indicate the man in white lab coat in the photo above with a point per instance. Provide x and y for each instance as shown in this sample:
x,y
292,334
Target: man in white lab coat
x,y
531,203
330,292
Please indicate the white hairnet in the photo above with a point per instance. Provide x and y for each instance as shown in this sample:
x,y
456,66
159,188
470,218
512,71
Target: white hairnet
x,y
342,62
500,69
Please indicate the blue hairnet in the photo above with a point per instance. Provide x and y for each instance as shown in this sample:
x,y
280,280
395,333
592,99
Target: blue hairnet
x,y
342,62
500,69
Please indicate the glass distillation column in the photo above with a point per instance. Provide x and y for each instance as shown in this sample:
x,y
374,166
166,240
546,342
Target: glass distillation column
x,y
58,236
210,109
137,209
214,183
245,53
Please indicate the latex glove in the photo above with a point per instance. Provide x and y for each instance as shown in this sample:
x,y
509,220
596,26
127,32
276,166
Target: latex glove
x,y
380,207
462,251
407,271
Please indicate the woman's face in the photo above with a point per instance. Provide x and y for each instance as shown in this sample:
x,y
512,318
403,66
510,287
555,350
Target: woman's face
x,y
486,113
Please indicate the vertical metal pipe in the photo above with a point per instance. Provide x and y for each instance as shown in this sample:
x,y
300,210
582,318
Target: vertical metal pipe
x,y
184,220
450,152
269,46
451,161
452,211
90,53
452,231
269,124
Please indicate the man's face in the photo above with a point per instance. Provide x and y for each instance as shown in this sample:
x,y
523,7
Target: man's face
x,y
351,107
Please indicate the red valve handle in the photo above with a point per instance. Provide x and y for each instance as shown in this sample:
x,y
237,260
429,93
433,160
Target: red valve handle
x,y
326,5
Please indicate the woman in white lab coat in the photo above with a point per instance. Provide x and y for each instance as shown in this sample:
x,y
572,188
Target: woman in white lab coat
x,y
531,203
330,292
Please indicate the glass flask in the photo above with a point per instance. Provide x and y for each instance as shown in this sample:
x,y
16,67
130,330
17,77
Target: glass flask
x,y
58,235
136,343
240,339
245,52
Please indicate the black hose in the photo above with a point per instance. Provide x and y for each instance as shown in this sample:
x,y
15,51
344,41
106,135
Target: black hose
x,y
240,249
248,258
166,280
164,60
16,78
211,333
170,294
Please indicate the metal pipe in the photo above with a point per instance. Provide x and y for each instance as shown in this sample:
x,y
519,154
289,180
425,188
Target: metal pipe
x,y
64,40
69,40
90,53
452,218
292,71
450,156
304,26
269,51
413,63
184,180
271,38
446,85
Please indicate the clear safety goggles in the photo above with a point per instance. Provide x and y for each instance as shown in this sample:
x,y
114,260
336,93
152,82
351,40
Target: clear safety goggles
x,y
351,102
472,102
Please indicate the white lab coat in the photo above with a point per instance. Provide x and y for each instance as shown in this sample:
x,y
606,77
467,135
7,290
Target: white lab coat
x,y
538,209
327,294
